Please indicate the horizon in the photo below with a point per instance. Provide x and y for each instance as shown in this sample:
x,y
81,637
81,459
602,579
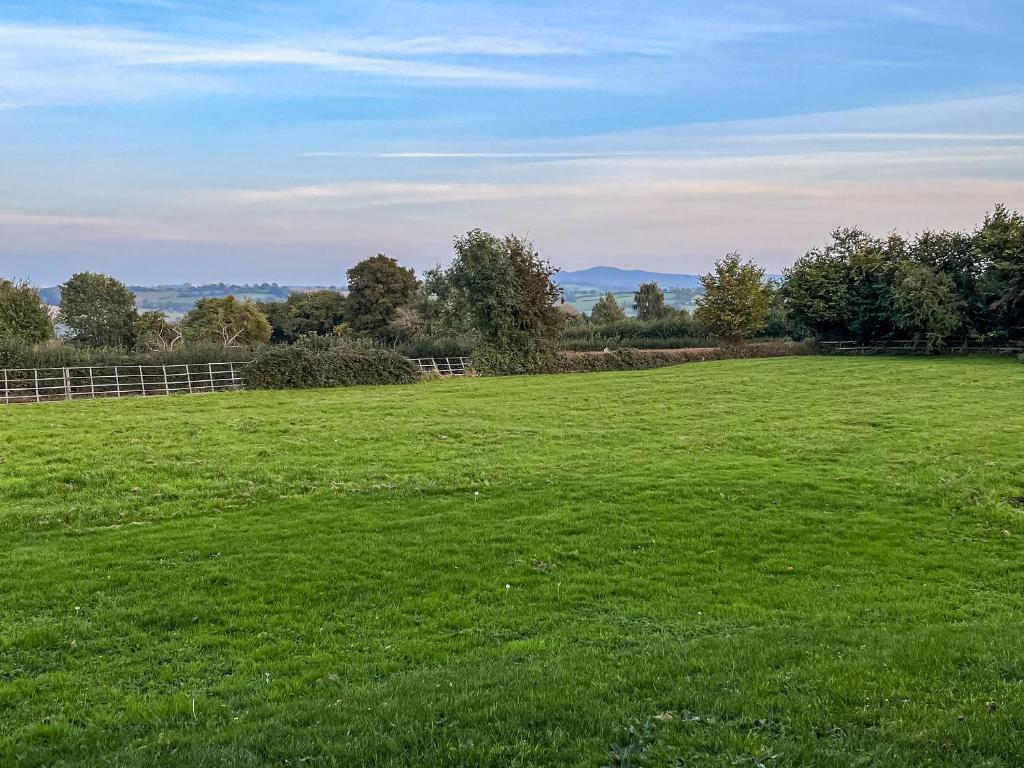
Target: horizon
x,y
172,141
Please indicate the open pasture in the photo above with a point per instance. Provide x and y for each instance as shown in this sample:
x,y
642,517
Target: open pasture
x,y
799,561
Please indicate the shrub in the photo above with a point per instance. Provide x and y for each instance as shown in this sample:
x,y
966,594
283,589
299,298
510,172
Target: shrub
x,y
428,346
313,365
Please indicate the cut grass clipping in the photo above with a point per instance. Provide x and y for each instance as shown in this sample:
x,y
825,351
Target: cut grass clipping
x,y
787,562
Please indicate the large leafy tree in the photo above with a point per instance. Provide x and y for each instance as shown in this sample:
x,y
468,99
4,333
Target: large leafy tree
x,y
506,290
953,254
999,245
925,304
98,310
226,321
23,318
845,288
377,287
317,312
607,310
649,302
736,299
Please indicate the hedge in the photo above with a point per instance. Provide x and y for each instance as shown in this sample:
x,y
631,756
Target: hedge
x,y
638,359
58,354
299,367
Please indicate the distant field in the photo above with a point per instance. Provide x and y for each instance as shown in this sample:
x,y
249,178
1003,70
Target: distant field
x,y
677,299
786,562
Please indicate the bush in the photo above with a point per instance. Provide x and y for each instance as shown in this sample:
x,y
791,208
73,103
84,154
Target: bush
x,y
428,346
336,365
638,359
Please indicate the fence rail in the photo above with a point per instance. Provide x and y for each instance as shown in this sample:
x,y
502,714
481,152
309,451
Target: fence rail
x,y
444,366
40,385
911,346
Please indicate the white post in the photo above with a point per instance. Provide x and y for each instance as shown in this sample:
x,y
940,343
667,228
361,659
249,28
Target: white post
x,y
92,383
117,381
67,385
188,377
209,367
35,374
167,388
7,389
142,381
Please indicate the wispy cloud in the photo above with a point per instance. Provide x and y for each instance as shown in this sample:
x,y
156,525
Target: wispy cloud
x,y
927,15
468,155
38,62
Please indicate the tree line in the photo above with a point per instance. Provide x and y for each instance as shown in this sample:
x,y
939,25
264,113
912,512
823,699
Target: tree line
x,y
497,298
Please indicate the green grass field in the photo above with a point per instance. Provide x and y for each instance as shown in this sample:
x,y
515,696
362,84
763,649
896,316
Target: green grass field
x,y
786,562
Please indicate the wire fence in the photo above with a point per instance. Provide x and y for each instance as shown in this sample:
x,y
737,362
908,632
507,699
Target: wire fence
x,y
40,385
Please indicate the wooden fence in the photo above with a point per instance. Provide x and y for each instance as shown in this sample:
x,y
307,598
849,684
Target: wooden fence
x,y
40,385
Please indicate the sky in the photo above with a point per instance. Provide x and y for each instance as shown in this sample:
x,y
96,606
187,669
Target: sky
x,y
166,141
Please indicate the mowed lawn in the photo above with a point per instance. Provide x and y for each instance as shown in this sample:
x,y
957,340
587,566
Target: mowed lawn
x,y
786,562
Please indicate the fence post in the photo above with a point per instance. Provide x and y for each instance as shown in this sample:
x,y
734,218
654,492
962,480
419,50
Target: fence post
x,y
117,381
209,367
7,389
167,388
142,381
188,377
35,375
67,385
92,383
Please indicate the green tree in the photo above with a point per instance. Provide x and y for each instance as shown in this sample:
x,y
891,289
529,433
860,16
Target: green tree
x,y
649,302
607,310
736,299
23,318
845,288
506,290
98,310
925,304
319,312
282,324
954,254
377,287
154,333
227,321
999,245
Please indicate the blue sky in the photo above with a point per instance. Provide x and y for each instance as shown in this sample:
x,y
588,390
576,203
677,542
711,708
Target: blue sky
x,y
171,140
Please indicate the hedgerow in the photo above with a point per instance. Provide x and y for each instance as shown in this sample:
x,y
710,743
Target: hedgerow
x,y
56,354
302,367
638,359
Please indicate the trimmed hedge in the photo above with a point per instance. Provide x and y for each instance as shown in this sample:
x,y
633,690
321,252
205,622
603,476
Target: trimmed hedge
x,y
299,367
638,359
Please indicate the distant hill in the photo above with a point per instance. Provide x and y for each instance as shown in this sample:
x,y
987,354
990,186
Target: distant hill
x,y
622,280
